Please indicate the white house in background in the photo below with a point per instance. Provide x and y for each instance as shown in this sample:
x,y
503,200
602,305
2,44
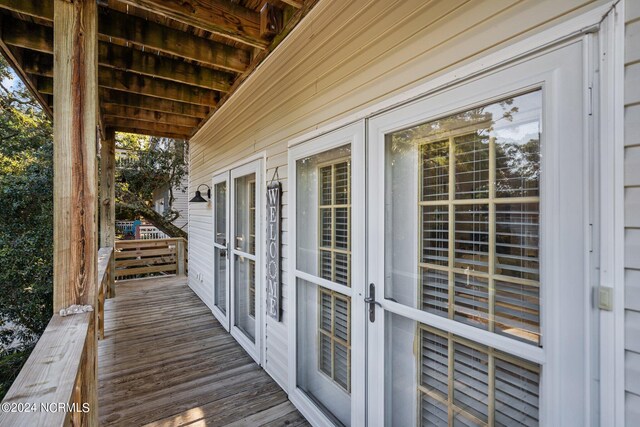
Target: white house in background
x,y
161,200
460,233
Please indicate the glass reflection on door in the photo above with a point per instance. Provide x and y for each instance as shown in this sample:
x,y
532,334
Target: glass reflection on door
x,y
244,248
220,246
462,242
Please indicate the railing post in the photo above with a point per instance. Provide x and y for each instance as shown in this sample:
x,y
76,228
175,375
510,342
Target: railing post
x,y
75,107
180,243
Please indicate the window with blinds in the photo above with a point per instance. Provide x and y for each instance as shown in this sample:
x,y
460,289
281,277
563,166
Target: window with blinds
x,y
479,219
333,217
334,345
469,384
479,216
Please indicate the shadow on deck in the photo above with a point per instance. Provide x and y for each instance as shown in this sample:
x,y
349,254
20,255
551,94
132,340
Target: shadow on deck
x,y
166,361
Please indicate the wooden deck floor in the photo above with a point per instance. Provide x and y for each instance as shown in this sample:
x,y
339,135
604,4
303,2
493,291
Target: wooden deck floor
x,y
166,361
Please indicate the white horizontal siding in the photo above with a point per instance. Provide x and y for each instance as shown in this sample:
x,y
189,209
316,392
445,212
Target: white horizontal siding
x,y
632,213
346,56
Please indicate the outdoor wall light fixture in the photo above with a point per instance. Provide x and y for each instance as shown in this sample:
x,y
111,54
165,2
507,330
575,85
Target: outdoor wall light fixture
x,y
198,197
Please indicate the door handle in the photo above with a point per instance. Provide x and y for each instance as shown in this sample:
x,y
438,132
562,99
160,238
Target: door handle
x,y
371,300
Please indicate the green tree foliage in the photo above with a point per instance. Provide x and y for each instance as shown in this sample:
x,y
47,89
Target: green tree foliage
x,y
148,164
26,224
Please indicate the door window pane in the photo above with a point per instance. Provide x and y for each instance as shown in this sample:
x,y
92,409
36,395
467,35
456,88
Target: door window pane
x,y
244,282
220,255
245,212
464,191
220,206
323,351
324,215
245,295
439,379
220,267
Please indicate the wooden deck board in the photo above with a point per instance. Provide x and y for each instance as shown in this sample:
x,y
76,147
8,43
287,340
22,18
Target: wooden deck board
x,y
166,361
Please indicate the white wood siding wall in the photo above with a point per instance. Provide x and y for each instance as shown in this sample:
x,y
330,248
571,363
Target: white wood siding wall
x,y
347,55
632,212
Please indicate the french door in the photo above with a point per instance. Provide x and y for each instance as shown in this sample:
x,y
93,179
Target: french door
x,y
237,213
477,251
327,324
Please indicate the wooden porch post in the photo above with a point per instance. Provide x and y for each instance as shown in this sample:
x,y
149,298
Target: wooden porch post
x,y
107,200
75,203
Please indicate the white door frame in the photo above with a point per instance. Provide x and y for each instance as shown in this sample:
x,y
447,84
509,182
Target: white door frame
x,y
254,349
353,135
223,317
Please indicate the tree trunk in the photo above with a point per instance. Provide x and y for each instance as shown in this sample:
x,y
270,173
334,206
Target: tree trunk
x,y
154,218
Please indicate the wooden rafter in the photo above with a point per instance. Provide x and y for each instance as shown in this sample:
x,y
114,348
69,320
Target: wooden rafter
x,y
114,25
119,123
216,16
118,80
164,66
124,112
153,104
152,36
153,132
15,63
135,61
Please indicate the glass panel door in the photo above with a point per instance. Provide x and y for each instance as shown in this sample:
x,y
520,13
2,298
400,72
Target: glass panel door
x,y
328,182
244,249
474,321
220,249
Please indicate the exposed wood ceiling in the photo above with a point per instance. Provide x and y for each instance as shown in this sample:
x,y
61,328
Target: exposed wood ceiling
x,y
165,66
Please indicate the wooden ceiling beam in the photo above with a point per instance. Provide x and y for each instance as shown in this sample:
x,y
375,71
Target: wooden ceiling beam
x,y
128,99
126,59
152,36
128,82
295,3
122,112
132,83
131,29
146,128
219,17
129,59
16,64
119,122
155,133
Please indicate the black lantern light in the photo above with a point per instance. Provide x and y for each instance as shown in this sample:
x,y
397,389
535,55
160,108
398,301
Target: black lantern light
x,y
198,197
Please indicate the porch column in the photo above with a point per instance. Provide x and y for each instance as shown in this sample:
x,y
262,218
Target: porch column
x,y
107,199
75,103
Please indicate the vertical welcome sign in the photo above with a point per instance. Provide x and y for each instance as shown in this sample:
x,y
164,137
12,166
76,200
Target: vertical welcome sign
x,y
273,250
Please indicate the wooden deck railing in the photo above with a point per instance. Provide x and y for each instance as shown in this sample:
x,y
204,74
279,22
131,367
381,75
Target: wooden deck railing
x,y
141,258
106,280
56,385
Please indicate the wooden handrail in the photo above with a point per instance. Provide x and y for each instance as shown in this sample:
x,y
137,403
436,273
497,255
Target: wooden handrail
x,y
48,389
52,387
140,258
